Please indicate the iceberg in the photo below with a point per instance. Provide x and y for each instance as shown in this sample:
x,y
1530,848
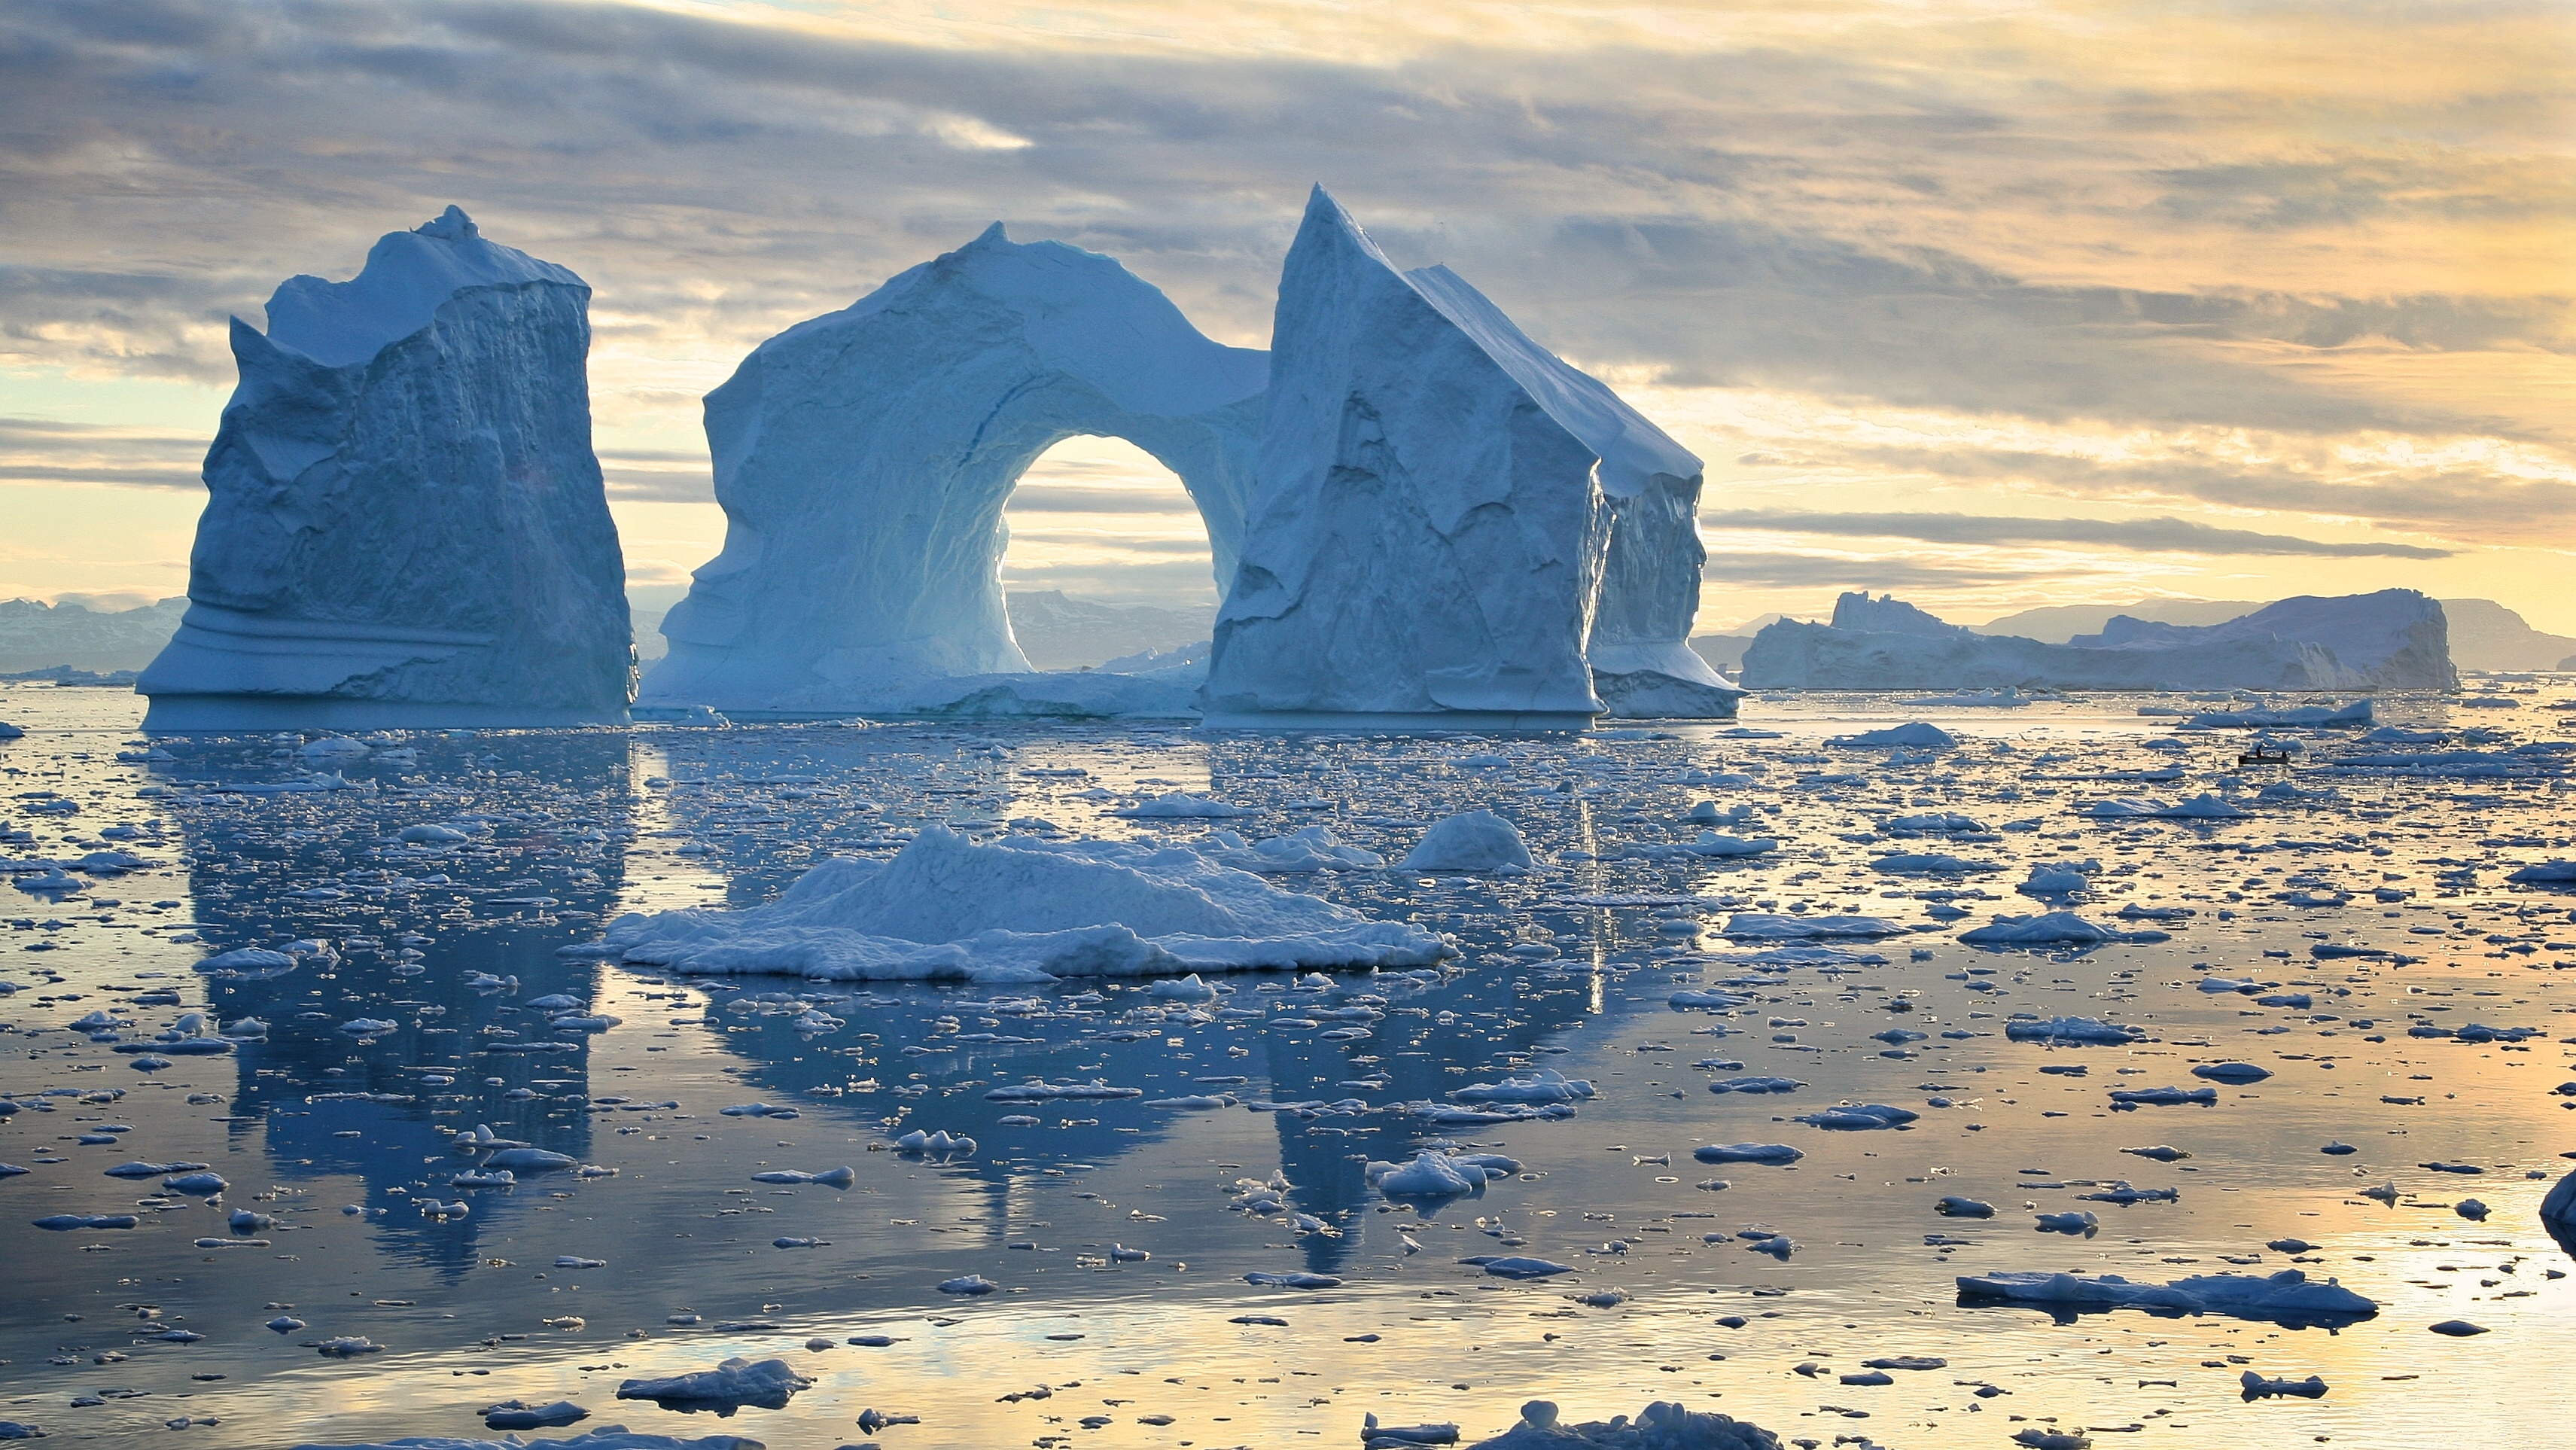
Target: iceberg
x,y
405,525
1662,1425
1450,526
863,459
1023,911
2396,639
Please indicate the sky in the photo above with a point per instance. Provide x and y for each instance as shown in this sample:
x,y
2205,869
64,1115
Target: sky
x,y
1991,304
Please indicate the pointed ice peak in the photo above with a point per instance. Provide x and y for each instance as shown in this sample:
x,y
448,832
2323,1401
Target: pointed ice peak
x,y
453,225
1324,212
992,236
407,276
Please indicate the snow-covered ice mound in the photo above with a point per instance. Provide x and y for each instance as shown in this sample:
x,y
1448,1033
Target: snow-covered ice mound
x,y
405,524
2396,639
1477,840
1450,524
863,459
1023,911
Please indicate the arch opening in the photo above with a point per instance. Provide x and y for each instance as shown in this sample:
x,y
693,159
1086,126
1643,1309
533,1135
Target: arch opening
x,y
1105,556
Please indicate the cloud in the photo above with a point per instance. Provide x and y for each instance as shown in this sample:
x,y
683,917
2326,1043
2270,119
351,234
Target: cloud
x,y
1817,571
2157,535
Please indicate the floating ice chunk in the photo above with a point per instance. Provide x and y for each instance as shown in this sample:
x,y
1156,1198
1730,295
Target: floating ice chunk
x,y
1019,910
2257,1387
1911,863
1476,840
2325,717
1311,849
1861,1116
520,1415
1293,1281
1429,1175
2073,1029
2164,1096
736,1382
942,1144
1547,1085
1516,1266
1747,1153
1182,989
248,964
2458,1328
1717,844
2055,928
1379,1437
1957,1206
65,1222
348,1346
2287,1295
2546,872
1756,1084
1918,735
1692,997
2203,807
833,1178
2233,1072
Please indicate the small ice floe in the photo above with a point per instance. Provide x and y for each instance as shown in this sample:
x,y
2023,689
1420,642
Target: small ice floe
x,y
1191,988
2159,1152
1037,1090
1693,998
2067,1223
1779,926
1915,735
1747,1153
348,1346
575,1261
2072,1029
1312,849
66,1222
2544,873
2458,1328
2060,878
2259,1388
1547,1085
941,1144
499,1178
1956,1206
1859,1116
2055,928
151,1170
1299,1280
1374,1436
520,1415
2231,1072
2163,1097
768,1384
1471,841
758,1110
970,1286
368,1027
2203,807
2289,1296
2472,1210
2121,1192
830,1178
1516,1266
1432,1175
530,1160
1916,863
1755,1084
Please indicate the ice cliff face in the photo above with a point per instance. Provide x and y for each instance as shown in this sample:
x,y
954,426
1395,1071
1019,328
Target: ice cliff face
x,y
405,523
863,459
1450,524
2395,639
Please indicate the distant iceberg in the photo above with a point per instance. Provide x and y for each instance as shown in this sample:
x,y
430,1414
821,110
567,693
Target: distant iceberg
x,y
405,524
2396,639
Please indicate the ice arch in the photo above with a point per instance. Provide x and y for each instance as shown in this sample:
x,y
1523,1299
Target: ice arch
x,y
863,459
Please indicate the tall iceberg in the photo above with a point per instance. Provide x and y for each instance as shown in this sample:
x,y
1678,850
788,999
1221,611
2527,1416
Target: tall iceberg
x,y
1451,526
863,459
2395,639
405,524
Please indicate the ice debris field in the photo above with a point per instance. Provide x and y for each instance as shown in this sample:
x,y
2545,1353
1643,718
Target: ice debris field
x,y
1862,1073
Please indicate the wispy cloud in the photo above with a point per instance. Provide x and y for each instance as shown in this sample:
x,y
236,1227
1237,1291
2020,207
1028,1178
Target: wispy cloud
x,y
2160,535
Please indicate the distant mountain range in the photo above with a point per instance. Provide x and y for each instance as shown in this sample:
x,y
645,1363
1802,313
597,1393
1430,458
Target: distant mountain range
x,y
37,636
2484,634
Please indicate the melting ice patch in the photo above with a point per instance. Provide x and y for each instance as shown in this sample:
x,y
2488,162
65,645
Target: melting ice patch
x,y
1023,911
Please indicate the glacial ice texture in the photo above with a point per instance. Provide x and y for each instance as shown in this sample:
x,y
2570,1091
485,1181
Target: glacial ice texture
x,y
405,524
863,459
1437,530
